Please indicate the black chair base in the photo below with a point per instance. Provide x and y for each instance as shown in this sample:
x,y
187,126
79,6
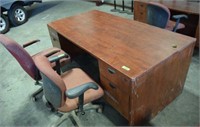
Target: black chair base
x,y
73,115
36,93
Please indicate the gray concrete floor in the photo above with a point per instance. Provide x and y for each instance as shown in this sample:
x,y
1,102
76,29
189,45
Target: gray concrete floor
x,y
16,107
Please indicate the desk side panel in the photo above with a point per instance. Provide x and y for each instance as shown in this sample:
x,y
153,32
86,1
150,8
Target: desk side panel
x,y
159,86
197,35
54,37
140,11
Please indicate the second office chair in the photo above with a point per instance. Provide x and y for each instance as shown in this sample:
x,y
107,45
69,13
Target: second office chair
x,y
159,15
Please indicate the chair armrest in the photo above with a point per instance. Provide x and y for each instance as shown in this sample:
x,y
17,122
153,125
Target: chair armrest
x,y
58,57
179,16
79,90
51,53
29,43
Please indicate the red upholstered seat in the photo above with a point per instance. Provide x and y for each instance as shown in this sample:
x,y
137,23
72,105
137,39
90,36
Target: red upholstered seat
x,y
76,77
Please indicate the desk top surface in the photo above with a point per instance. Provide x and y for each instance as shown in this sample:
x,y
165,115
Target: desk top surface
x,y
121,42
186,6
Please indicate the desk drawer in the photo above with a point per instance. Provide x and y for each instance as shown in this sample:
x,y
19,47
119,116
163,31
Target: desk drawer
x,y
115,97
121,81
54,38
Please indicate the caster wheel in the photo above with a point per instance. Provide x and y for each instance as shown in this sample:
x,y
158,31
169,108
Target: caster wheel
x,y
49,107
82,113
99,110
52,109
34,99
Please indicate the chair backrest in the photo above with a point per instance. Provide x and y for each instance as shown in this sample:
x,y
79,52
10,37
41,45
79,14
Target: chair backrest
x,y
157,14
21,55
53,86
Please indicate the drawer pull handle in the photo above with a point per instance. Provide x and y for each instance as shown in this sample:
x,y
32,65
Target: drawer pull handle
x,y
111,71
141,5
112,85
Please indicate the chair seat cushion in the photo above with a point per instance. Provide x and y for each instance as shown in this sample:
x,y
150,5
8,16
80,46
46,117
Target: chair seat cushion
x,y
171,24
76,77
45,52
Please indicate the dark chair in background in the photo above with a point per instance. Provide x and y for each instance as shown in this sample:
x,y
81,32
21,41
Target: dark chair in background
x,y
69,91
159,15
27,62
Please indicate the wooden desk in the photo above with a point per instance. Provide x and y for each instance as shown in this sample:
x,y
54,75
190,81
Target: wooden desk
x,y
176,7
142,68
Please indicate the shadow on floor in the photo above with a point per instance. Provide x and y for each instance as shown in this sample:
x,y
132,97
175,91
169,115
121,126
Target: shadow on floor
x,y
30,114
41,7
184,110
196,52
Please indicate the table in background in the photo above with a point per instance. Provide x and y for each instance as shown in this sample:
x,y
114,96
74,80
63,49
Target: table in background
x,y
142,68
188,7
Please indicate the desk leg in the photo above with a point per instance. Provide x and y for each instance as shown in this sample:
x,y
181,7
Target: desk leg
x,y
197,35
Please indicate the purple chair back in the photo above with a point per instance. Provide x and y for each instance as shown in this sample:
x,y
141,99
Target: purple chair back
x,y
21,55
157,14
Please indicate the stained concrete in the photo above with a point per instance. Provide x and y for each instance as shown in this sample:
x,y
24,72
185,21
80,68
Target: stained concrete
x,y
16,107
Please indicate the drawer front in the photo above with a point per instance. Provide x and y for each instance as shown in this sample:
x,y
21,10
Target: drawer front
x,y
116,98
140,11
54,38
121,81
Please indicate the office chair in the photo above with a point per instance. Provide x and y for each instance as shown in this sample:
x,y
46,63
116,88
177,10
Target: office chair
x,y
159,15
69,91
27,62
